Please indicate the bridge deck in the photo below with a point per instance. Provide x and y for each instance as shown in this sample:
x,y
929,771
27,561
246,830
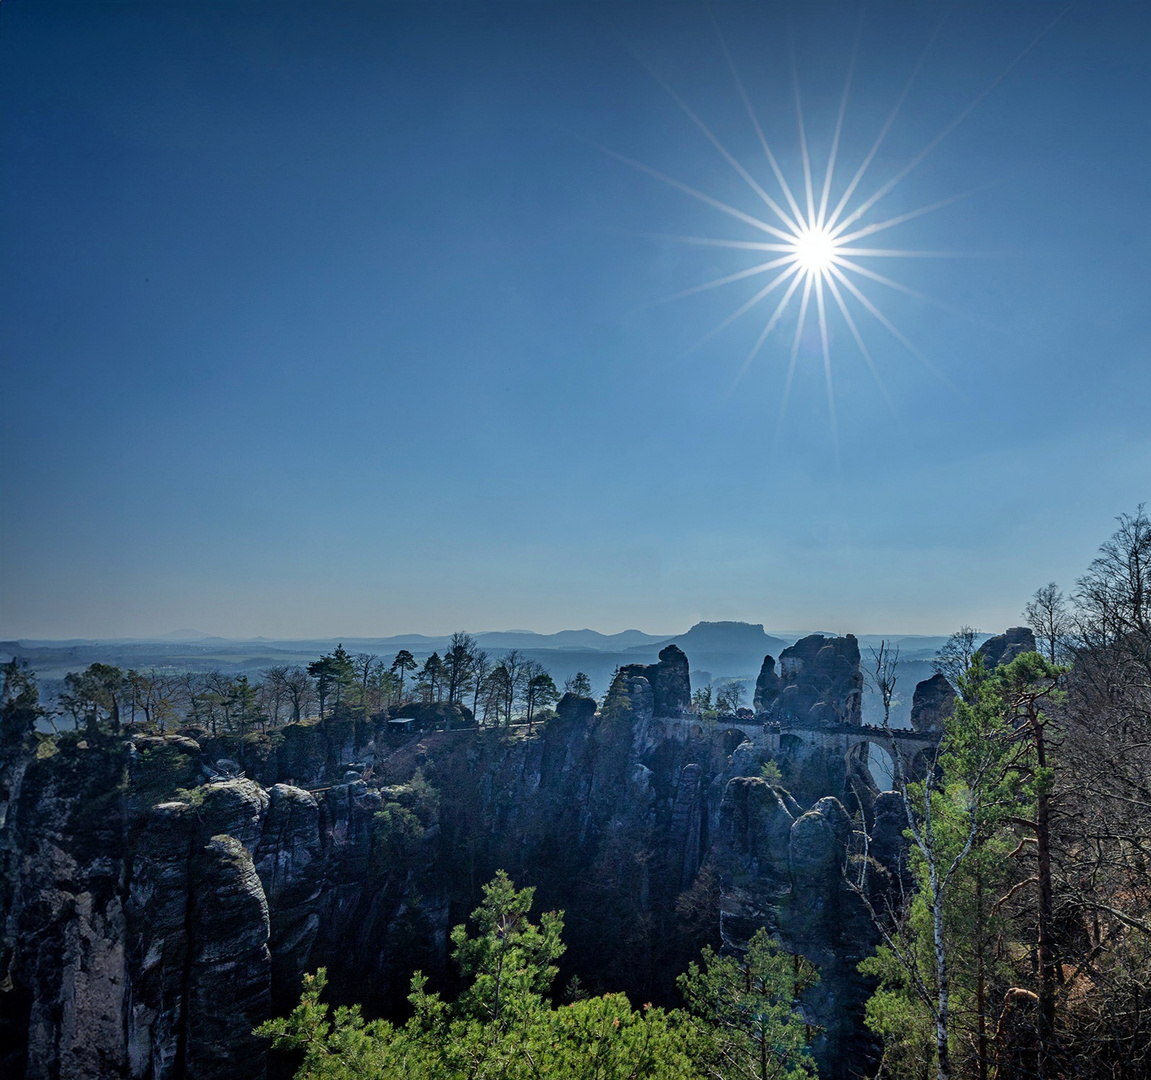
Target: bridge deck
x,y
847,735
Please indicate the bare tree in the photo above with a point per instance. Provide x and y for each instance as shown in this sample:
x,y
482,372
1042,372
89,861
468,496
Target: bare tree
x,y
154,695
517,667
365,665
954,658
497,691
1114,596
731,696
219,699
273,693
301,693
480,667
191,692
1101,832
883,676
1048,614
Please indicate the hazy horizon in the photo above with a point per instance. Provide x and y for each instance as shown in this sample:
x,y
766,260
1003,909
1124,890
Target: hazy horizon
x,y
191,636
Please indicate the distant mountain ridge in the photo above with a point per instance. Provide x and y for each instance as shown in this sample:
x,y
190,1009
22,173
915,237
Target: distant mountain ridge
x,y
567,639
715,650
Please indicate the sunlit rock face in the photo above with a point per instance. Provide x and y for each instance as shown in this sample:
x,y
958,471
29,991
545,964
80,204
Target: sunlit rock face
x,y
1003,648
932,703
818,681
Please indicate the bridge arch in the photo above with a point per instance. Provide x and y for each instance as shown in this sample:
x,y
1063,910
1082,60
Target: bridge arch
x,y
874,758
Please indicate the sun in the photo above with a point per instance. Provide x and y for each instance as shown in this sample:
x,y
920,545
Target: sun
x,y
814,250
813,237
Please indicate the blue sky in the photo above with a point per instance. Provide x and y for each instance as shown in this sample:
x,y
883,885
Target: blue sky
x,y
339,319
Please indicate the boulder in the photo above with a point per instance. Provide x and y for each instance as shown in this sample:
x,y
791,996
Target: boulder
x,y
575,710
1003,648
816,845
234,808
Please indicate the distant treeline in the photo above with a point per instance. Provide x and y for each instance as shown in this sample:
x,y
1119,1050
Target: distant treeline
x,y
496,689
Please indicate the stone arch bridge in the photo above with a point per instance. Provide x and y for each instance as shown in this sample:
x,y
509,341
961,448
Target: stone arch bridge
x,y
775,738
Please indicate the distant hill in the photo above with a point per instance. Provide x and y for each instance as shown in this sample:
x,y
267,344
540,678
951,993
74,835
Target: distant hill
x,y
568,639
726,649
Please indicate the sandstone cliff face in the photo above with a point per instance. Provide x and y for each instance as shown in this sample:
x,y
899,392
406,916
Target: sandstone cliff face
x,y
932,703
145,939
783,869
669,680
818,682
1003,648
64,918
151,920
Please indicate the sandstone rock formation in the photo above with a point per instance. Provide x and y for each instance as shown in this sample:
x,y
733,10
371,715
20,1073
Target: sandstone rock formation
x,y
932,703
1003,648
669,679
819,682
150,919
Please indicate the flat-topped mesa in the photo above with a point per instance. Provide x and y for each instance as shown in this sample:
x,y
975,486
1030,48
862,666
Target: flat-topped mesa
x,y
1003,648
669,678
818,682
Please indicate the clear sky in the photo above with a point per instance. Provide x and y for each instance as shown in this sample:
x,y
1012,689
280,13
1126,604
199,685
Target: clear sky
x,y
336,319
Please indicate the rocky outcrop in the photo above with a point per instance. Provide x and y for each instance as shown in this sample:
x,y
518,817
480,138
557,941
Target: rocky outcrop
x,y
784,870
289,861
888,847
575,710
158,940
752,853
153,917
64,932
229,969
144,939
1003,648
932,703
434,714
686,819
768,686
819,682
669,679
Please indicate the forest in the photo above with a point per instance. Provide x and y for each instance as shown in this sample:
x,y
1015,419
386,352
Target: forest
x,y
1011,925
337,685
1017,944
